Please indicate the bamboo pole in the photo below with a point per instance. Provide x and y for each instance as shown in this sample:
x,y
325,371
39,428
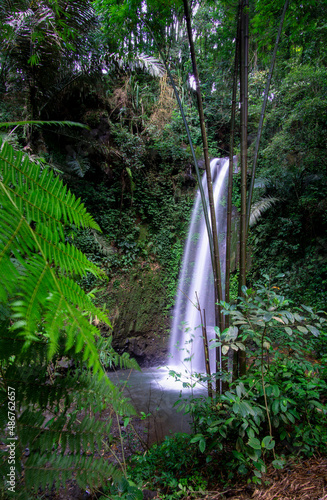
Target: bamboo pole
x,y
216,266
262,115
205,345
230,177
230,173
197,170
244,119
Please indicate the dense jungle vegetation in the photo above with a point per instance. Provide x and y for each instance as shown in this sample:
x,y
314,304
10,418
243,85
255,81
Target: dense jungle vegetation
x,y
97,185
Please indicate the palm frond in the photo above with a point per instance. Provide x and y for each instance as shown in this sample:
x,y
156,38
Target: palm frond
x,y
149,64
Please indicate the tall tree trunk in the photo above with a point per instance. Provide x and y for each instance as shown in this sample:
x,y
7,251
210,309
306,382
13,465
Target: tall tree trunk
x,y
244,122
216,266
262,115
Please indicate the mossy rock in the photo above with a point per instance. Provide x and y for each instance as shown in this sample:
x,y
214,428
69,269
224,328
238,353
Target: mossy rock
x,y
140,323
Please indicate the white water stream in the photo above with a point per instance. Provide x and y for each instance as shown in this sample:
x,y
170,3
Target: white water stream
x,y
196,277
154,391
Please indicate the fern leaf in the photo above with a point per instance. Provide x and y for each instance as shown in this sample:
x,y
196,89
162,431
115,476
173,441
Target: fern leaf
x,y
29,195
260,207
39,195
51,315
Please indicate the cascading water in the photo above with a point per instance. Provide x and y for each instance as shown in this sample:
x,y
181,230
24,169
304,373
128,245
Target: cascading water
x,y
154,390
196,277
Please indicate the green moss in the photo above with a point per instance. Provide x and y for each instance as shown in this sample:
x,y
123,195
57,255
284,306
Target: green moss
x,y
137,305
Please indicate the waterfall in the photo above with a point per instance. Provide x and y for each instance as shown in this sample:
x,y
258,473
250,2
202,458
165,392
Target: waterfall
x,y
196,276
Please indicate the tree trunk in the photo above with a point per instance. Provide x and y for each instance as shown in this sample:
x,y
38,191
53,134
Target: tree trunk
x,y
230,176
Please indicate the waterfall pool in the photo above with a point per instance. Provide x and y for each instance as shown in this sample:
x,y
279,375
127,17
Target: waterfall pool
x,y
154,392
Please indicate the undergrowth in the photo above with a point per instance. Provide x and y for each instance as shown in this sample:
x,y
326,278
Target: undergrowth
x,y
277,411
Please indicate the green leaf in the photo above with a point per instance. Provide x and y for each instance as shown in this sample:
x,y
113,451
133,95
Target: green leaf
x,y
239,390
202,445
230,396
275,406
313,330
268,443
290,417
307,308
283,405
196,438
289,316
254,443
225,349
276,391
232,333
267,317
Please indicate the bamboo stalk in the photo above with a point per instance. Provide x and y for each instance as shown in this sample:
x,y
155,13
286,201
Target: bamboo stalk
x,y
205,345
262,115
230,177
197,170
216,264
244,119
230,174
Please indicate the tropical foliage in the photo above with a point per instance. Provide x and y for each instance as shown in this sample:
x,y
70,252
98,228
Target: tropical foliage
x,y
45,315
107,206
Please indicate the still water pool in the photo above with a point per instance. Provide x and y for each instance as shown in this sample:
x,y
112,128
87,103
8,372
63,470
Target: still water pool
x,y
154,392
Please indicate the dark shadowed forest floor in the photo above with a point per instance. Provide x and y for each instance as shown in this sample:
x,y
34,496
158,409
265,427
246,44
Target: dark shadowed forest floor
x,y
299,480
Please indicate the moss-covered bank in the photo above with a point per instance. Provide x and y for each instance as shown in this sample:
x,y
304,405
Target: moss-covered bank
x,y
136,303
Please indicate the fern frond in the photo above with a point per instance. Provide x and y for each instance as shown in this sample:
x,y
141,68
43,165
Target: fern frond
x,y
39,122
31,196
57,470
66,256
260,207
38,195
50,316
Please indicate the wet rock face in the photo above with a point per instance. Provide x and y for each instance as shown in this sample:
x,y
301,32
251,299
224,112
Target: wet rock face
x,y
140,324
147,351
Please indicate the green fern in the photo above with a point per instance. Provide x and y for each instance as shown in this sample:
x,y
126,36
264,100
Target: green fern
x,y
261,206
45,315
35,207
